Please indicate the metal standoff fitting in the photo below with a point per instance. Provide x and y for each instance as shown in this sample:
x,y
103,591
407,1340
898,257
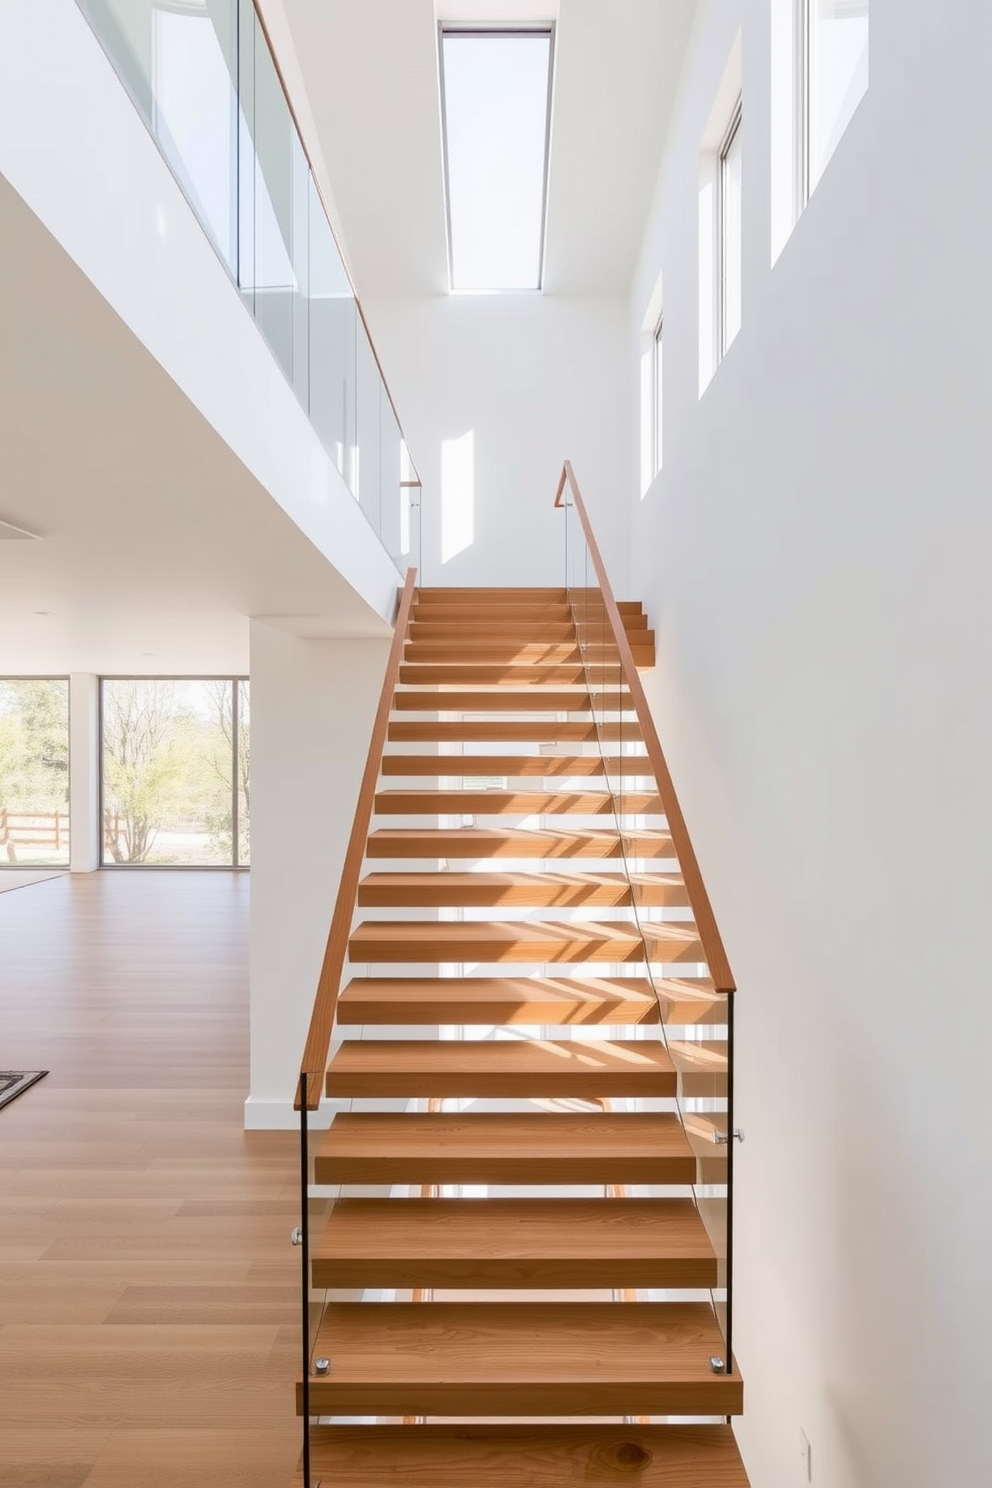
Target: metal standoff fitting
x,y
296,1238
322,1366
721,1137
717,1365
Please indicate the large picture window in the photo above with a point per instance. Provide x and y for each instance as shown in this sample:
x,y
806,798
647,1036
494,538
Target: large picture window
x,y
34,771
175,772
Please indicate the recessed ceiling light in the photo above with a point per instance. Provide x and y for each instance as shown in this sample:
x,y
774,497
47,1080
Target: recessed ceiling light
x,y
44,612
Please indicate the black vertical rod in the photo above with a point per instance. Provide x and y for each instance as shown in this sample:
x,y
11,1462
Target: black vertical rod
x,y
731,1000
305,1274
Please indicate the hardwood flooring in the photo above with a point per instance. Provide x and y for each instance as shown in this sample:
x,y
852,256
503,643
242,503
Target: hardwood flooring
x,y
148,1290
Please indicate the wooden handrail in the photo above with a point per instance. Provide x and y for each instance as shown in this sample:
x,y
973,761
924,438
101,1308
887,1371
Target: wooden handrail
x,y
325,1004
702,909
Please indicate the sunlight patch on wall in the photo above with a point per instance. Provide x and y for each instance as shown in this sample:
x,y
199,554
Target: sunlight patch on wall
x,y
457,495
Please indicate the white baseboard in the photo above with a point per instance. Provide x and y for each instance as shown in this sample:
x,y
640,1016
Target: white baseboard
x,y
278,1115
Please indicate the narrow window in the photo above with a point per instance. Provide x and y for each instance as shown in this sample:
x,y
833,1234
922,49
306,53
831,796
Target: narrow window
x,y
34,771
833,78
657,386
496,110
729,229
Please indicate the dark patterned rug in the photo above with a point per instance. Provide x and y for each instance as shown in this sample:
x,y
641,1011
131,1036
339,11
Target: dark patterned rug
x,y
14,1083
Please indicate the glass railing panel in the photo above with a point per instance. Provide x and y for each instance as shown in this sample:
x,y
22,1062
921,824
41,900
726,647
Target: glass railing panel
x,y
180,65
696,1023
208,88
369,430
333,347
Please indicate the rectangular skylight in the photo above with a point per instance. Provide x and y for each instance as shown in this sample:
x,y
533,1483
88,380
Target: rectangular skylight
x,y
496,107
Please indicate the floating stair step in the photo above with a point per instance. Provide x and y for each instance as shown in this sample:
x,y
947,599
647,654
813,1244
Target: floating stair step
x,y
507,731
495,700
543,766
509,842
482,890
500,674
535,613
537,1456
510,1068
506,1147
430,1001
526,1243
458,594
514,651
520,940
509,1358
702,1067
511,803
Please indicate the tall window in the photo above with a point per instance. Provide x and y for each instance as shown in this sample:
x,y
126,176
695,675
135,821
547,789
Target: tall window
x,y
34,771
819,75
657,390
176,772
729,233
496,111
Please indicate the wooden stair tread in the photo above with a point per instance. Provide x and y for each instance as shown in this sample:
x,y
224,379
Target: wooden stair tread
x,y
510,803
520,940
497,1000
505,1147
494,674
507,1358
510,842
506,731
500,1067
525,1243
525,1456
437,890
544,766
495,700
516,652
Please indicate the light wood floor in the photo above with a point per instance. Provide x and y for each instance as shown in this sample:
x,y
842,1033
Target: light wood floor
x,y
148,1290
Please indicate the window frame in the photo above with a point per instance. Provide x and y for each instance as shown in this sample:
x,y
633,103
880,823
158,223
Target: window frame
x,y
657,395
461,29
49,677
235,865
731,136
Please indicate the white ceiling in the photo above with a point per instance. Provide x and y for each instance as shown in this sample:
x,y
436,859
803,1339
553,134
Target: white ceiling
x,y
369,69
156,541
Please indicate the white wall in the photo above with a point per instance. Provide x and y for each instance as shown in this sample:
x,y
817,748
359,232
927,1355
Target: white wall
x,y
533,380
814,556
312,706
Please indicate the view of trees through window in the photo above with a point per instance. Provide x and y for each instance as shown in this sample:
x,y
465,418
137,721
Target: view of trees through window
x,y
34,771
176,771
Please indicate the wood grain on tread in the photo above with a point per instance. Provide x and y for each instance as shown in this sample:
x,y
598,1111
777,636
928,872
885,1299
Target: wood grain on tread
x,y
510,1358
508,1243
512,803
505,1147
438,890
493,700
493,674
519,940
536,1456
543,766
515,1068
500,730
497,1000
509,842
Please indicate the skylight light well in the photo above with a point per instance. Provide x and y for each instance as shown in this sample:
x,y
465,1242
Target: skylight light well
x,y
496,110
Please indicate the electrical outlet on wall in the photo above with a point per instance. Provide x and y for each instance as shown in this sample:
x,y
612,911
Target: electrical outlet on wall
x,y
805,1457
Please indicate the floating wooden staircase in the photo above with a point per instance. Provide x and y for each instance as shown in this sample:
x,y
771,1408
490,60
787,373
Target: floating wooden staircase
x,y
530,1070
